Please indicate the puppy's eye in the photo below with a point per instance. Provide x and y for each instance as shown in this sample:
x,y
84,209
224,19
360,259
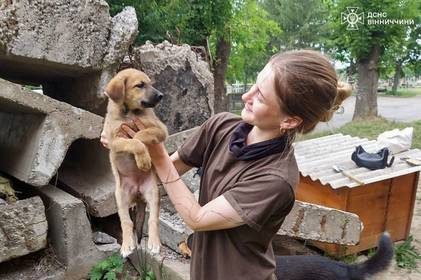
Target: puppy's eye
x,y
141,85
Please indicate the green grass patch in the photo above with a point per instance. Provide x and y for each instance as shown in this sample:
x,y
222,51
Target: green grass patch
x,y
370,129
406,255
402,92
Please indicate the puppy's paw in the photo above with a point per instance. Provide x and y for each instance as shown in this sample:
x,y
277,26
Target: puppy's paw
x,y
127,248
154,245
143,161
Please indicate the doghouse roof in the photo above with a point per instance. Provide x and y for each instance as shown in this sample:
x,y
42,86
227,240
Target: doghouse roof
x,y
316,158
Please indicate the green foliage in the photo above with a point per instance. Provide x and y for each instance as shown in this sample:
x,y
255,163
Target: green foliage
x,y
107,269
349,259
149,275
406,255
251,32
356,44
304,23
179,21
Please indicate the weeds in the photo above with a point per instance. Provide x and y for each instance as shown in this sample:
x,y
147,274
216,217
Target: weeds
x,y
406,255
108,269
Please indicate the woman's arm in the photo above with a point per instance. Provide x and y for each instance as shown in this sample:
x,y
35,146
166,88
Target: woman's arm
x,y
179,164
216,214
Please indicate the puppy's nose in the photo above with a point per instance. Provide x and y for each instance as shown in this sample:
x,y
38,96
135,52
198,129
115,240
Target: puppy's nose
x,y
159,96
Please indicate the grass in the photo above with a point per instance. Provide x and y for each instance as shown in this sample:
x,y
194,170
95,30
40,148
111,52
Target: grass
x,y
403,92
406,255
370,129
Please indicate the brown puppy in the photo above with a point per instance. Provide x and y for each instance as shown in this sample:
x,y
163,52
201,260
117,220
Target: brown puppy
x,y
131,95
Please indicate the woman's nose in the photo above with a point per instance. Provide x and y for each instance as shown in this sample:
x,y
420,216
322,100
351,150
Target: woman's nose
x,y
247,95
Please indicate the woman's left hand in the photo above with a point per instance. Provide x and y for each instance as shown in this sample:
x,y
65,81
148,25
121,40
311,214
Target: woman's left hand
x,y
129,130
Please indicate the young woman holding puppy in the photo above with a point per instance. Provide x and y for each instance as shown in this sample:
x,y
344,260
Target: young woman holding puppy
x,y
248,166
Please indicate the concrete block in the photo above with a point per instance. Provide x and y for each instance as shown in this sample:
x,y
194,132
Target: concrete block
x,y
184,78
23,228
166,266
37,132
71,47
70,233
174,141
314,222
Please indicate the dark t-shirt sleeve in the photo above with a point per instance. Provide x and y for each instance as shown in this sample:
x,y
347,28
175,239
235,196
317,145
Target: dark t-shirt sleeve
x,y
258,199
194,148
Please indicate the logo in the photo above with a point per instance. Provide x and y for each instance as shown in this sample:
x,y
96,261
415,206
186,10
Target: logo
x,y
352,17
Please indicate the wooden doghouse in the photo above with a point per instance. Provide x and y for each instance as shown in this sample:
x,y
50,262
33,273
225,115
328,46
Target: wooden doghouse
x,y
385,201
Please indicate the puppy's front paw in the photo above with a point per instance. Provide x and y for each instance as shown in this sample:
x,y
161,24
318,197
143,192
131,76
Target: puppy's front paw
x,y
154,245
127,248
143,161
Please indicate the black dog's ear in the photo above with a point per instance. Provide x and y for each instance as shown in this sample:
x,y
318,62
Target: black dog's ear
x,y
116,88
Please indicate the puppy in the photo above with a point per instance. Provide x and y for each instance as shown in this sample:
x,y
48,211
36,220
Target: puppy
x,y
131,95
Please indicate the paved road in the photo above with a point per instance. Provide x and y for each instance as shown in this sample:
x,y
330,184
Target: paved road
x,y
391,108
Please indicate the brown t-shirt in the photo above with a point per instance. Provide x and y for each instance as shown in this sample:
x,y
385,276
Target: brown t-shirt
x,y
261,191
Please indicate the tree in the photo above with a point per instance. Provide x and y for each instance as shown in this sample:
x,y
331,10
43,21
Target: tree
x,y
191,22
368,41
252,31
407,53
304,23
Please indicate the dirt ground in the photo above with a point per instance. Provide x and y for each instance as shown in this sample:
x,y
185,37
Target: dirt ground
x,y
395,273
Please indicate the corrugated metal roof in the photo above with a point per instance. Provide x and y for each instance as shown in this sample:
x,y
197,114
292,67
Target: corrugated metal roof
x,y
316,157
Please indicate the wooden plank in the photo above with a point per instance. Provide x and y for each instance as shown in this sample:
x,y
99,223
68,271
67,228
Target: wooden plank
x,y
314,192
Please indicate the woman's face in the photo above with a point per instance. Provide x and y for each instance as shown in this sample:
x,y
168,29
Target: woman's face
x,y
261,104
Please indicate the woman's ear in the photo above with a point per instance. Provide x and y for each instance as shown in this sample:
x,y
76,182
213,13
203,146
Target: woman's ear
x,y
291,122
115,89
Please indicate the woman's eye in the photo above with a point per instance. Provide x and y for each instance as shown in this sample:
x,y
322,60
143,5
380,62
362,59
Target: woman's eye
x,y
259,96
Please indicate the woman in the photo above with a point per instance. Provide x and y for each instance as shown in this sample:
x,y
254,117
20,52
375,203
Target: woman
x,y
248,167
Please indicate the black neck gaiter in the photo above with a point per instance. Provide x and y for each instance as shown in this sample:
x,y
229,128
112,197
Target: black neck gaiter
x,y
242,151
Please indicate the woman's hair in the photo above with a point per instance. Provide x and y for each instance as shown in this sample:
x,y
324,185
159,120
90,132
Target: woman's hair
x,y
307,86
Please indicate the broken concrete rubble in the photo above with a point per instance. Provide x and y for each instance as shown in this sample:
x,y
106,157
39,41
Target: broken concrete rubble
x,y
23,228
72,48
70,233
37,132
185,80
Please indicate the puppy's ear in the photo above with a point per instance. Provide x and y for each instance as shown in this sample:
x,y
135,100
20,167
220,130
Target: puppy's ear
x,y
116,88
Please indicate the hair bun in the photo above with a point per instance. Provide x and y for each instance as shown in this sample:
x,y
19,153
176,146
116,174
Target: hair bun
x,y
343,91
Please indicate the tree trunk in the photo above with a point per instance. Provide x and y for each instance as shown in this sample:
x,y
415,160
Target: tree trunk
x,y
220,65
396,77
368,78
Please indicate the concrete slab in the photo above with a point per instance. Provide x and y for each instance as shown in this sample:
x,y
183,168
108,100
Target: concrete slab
x,y
70,233
23,228
71,47
37,132
166,266
314,222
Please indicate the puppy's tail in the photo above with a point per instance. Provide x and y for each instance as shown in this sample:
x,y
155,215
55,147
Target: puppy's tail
x,y
377,263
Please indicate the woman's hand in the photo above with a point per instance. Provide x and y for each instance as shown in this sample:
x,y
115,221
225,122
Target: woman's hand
x,y
129,130
104,140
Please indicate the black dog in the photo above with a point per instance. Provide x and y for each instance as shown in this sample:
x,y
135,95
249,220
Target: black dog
x,y
321,268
